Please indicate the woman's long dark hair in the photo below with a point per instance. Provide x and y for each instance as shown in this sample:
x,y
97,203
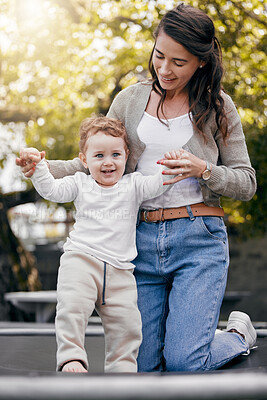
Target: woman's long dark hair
x,y
194,30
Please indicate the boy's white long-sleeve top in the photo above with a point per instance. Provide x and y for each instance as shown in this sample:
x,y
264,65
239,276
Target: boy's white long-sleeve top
x,y
105,220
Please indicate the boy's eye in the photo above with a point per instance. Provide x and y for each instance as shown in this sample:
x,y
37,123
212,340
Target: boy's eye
x,y
116,154
99,155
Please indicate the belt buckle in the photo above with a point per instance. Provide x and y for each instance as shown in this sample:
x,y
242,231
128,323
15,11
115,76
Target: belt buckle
x,y
145,217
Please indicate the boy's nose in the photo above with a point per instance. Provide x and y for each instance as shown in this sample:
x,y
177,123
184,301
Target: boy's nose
x,y
107,161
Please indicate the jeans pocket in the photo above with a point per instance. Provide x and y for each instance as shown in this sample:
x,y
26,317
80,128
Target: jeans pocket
x,y
214,227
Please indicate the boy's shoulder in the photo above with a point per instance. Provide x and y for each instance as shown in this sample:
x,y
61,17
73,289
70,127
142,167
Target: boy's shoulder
x,y
82,178
82,175
135,178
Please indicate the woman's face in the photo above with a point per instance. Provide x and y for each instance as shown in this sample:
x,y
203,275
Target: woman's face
x,y
173,64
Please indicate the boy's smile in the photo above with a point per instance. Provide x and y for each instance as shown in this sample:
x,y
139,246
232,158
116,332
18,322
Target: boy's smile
x,y
105,157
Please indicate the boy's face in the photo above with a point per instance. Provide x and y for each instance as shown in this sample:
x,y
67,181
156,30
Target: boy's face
x,y
105,157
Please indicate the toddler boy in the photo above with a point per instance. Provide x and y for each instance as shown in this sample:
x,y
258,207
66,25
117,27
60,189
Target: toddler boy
x,y
96,269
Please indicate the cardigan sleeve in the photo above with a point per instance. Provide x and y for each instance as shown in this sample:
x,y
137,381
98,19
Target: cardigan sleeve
x,y
61,168
233,176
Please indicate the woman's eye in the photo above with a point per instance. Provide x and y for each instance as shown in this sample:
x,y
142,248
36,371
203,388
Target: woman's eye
x,y
162,57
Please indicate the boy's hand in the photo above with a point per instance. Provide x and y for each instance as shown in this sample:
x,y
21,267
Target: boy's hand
x,y
182,164
29,157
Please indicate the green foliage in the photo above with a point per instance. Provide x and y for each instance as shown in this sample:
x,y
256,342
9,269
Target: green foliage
x,y
62,61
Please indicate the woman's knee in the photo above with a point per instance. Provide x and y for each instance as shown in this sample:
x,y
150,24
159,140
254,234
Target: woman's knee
x,y
185,360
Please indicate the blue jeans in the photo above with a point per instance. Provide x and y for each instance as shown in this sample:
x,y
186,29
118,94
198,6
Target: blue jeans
x,y
181,272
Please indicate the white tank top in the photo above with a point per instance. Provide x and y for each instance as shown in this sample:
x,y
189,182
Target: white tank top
x,y
159,139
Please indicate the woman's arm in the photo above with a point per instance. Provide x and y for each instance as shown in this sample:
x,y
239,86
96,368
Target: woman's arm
x,y
231,172
60,168
233,176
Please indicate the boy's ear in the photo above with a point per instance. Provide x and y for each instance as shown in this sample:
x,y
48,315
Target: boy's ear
x,y
82,157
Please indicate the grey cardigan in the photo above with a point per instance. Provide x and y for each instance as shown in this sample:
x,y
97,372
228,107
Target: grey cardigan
x,y
232,174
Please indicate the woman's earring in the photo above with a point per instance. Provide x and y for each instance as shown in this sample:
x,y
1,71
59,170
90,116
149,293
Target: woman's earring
x,y
201,66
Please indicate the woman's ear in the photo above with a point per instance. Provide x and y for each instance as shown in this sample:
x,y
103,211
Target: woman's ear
x,y
82,157
202,64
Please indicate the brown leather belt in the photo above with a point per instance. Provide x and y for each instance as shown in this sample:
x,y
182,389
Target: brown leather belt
x,y
198,210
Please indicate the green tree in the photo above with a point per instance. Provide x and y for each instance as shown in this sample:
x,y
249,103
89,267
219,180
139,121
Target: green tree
x,y
64,60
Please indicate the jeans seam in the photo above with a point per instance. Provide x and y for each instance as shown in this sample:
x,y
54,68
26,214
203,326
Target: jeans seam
x,y
160,329
213,315
165,258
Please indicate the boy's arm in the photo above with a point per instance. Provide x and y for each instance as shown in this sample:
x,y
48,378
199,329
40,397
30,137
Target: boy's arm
x,y
153,185
58,190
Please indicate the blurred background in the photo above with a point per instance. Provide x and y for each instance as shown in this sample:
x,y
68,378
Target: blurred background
x,y
64,60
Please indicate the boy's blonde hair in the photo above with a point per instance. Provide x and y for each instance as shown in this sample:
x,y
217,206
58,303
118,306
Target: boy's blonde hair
x,y
110,126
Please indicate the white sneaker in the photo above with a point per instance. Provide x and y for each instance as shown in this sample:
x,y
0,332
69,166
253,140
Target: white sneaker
x,y
242,324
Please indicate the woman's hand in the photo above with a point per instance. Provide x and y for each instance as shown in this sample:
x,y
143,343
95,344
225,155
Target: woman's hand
x,y
29,157
182,164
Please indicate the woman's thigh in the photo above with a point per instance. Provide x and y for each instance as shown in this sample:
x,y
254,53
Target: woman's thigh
x,y
196,295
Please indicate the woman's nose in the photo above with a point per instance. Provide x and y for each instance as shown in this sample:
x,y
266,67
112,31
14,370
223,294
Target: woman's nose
x,y
165,67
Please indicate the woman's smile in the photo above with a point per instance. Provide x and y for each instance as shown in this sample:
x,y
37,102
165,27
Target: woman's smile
x,y
165,79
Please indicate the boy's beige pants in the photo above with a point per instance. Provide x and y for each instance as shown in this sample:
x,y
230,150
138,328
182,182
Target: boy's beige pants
x,y
85,283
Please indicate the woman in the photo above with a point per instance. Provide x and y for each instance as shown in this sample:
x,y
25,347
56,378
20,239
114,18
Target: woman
x,y
182,262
